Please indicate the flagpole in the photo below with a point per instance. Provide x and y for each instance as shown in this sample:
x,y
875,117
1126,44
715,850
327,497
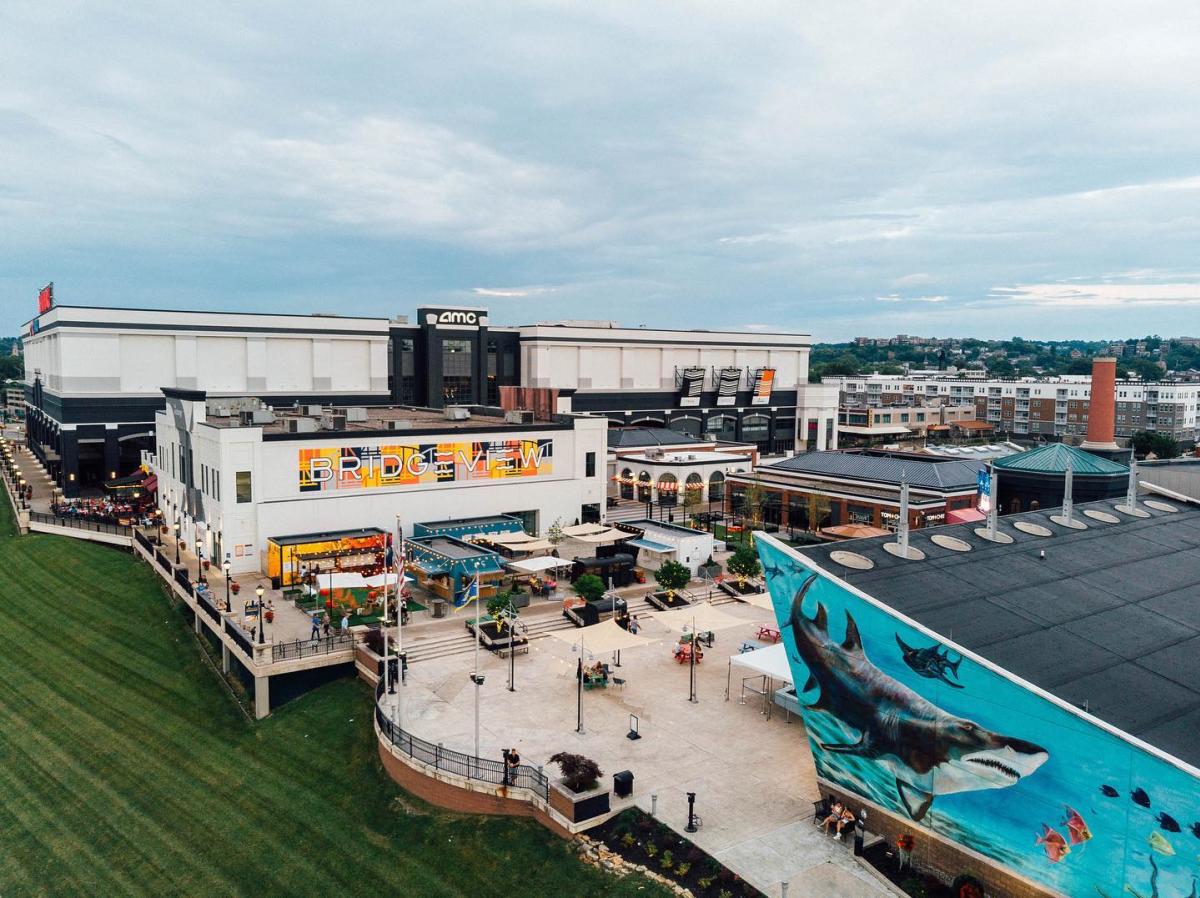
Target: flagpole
x,y
400,562
387,658
478,621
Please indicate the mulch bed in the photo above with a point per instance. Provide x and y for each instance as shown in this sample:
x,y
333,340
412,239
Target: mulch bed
x,y
641,839
911,882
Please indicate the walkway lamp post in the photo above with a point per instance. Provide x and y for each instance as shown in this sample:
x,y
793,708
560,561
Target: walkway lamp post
x,y
225,566
21,485
177,541
261,616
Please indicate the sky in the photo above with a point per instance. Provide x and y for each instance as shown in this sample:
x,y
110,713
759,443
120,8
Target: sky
x,y
946,169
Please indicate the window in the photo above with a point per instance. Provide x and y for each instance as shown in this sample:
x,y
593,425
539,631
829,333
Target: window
x,y
589,464
407,391
242,486
457,379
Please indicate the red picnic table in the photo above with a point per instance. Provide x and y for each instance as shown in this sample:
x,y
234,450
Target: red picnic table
x,y
769,634
683,654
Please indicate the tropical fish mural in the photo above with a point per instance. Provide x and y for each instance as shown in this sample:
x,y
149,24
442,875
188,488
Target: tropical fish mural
x,y
906,719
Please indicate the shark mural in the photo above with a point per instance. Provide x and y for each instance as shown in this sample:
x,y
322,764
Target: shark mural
x,y
922,728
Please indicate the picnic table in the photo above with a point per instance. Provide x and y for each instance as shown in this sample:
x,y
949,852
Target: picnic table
x,y
769,634
684,654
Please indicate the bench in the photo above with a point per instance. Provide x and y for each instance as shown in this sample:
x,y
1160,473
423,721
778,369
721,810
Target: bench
x,y
522,649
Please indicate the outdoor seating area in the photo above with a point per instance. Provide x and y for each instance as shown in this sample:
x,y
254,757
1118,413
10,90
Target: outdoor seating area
x,y
576,691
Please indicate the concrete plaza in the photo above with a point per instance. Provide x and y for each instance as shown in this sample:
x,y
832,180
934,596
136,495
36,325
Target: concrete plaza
x,y
753,776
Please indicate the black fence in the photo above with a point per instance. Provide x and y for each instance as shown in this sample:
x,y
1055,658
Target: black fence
x,y
143,541
209,608
162,560
483,770
182,578
240,637
306,648
80,524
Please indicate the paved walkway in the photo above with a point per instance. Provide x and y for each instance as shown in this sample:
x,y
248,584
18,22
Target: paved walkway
x,y
754,779
34,475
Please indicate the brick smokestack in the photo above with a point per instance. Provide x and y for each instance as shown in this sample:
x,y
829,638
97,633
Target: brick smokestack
x,y
1102,409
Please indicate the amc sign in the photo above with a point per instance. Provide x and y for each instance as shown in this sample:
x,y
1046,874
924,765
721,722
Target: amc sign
x,y
454,317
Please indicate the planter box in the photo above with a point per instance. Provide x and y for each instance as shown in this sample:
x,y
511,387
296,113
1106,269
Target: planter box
x,y
579,806
708,571
660,601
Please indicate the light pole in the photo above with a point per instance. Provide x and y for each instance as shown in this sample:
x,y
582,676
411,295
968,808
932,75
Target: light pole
x,y
261,616
226,566
176,541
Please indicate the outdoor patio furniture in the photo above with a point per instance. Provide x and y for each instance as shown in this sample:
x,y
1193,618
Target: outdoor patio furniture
x,y
768,634
591,681
619,681
706,637
684,655
747,647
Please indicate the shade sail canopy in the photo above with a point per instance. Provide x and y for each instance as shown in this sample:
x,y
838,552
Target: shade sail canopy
x,y
600,638
611,535
964,516
702,615
583,529
770,661
510,539
388,579
542,563
537,545
759,600
855,531
884,431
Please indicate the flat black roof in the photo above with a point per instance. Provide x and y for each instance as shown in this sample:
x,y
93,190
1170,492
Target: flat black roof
x,y
1109,620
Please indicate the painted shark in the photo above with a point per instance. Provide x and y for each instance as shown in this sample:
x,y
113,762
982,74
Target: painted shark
x,y
929,751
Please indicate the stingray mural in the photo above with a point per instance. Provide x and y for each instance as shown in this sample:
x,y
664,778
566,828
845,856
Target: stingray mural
x,y
900,717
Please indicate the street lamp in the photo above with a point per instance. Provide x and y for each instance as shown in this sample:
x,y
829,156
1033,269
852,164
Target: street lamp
x,y
226,566
177,541
259,592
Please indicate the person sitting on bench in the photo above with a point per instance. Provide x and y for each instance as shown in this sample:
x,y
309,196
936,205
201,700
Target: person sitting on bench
x,y
835,816
847,819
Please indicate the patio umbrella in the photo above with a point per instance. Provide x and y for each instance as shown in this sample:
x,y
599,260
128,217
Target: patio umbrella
x,y
600,638
699,617
541,563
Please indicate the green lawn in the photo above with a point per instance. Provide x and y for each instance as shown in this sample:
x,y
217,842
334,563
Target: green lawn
x,y
125,768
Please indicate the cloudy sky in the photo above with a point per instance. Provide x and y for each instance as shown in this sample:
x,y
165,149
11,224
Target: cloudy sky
x,y
841,169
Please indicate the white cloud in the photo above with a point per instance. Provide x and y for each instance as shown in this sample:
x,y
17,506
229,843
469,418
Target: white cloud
x,y
1100,295
511,292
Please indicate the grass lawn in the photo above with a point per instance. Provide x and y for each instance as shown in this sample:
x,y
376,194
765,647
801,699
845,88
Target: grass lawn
x,y
125,768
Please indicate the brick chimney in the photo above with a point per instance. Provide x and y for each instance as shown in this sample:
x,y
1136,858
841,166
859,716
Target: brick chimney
x,y
1102,409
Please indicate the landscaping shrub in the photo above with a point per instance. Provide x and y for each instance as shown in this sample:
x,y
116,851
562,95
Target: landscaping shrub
x,y
579,773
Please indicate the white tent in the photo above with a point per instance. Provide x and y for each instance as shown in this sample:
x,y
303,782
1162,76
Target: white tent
x,y
388,579
770,661
539,564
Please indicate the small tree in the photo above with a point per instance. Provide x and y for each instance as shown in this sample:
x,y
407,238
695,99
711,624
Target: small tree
x,y
1161,444
589,587
752,504
691,497
743,564
554,533
671,576
818,508
579,773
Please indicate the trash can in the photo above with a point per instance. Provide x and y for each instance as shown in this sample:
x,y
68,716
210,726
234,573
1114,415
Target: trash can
x,y
439,607
623,784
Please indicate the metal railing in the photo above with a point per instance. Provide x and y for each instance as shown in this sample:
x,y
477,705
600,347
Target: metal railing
x,y
467,766
306,648
80,524
143,541
162,560
182,578
241,637
209,608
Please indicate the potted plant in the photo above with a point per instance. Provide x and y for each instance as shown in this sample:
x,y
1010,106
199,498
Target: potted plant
x,y
580,795
710,569
744,564
235,587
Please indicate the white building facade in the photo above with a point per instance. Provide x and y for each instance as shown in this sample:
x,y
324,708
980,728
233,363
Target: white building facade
x,y
233,486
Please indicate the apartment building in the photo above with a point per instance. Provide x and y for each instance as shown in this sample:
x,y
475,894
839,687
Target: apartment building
x,y
1053,407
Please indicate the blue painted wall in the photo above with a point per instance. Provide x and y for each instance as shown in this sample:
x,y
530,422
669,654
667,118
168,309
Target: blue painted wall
x,y
901,719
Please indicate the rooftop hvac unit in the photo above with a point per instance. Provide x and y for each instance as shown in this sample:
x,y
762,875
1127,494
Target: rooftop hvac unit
x,y
518,416
400,424
457,412
262,416
301,425
314,411
333,422
220,411
356,415
712,437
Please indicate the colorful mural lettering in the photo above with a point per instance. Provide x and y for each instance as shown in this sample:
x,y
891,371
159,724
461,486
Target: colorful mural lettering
x,y
370,467
899,717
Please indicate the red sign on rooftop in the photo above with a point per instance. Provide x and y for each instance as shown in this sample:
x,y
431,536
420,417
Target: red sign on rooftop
x,y
46,298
